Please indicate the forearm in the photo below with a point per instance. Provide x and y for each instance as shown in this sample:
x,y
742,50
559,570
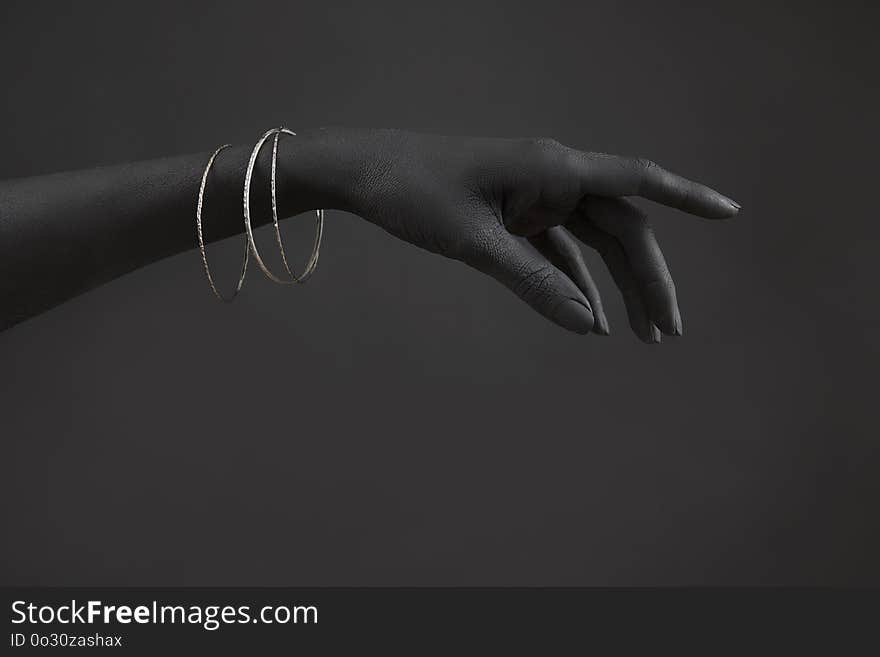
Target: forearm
x,y
65,233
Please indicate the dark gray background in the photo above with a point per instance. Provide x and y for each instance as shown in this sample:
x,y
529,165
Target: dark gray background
x,y
402,419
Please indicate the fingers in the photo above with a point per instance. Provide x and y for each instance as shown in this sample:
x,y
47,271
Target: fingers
x,y
610,175
561,250
534,279
625,221
616,261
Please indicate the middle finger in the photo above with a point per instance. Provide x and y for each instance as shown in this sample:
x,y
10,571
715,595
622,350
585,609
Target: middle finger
x,y
625,221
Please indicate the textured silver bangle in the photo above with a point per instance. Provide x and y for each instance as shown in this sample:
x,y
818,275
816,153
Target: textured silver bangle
x,y
202,239
312,263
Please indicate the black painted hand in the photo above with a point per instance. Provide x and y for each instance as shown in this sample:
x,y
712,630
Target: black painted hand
x,y
475,199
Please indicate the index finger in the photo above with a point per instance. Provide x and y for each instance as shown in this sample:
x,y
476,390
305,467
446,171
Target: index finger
x,y
612,175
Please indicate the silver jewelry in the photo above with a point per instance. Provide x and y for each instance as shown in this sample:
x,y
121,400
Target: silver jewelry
x,y
202,239
312,263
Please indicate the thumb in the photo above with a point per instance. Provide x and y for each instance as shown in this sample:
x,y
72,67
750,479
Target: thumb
x,y
533,279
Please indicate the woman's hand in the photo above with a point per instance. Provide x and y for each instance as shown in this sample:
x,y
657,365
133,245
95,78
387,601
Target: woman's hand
x,y
476,199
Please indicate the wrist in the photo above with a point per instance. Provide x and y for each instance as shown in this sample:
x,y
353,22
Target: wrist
x,y
320,168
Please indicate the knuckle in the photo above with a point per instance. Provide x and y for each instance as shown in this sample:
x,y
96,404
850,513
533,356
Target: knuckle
x,y
542,148
551,155
661,279
549,144
535,285
644,164
643,168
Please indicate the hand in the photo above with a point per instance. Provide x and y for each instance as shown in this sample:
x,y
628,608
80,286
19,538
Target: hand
x,y
474,199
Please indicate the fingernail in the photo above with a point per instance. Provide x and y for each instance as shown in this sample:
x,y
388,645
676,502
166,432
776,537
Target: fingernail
x,y
600,325
574,316
733,204
679,329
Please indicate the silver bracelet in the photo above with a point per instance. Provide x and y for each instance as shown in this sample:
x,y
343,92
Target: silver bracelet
x,y
202,239
312,263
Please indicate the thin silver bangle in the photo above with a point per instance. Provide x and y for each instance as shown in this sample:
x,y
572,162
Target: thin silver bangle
x,y
202,239
312,263
319,225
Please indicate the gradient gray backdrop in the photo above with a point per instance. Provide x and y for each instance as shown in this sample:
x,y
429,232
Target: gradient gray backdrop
x,y
447,434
